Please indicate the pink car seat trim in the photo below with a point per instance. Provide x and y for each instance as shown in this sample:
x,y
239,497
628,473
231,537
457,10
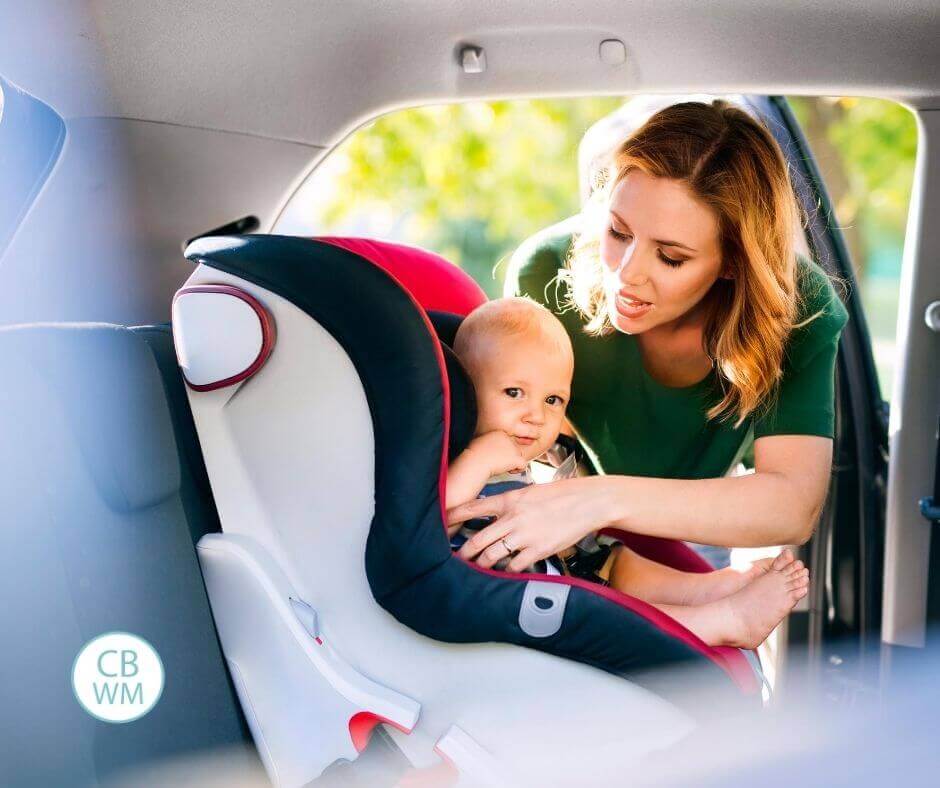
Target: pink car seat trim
x,y
363,723
670,552
434,282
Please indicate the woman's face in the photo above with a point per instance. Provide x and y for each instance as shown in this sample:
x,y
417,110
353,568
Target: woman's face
x,y
660,250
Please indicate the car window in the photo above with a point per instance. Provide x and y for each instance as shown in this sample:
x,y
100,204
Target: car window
x,y
473,180
865,150
470,181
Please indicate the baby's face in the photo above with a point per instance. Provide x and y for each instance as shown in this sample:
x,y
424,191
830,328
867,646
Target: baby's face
x,y
522,387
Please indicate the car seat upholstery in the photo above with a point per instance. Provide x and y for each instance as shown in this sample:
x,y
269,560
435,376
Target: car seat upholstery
x,y
336,595
97,537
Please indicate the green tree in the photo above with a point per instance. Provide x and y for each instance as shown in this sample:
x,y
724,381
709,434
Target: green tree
x,y
865,149
474,179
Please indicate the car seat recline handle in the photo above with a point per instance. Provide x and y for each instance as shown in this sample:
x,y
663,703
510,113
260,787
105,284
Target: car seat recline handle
x,y
307,617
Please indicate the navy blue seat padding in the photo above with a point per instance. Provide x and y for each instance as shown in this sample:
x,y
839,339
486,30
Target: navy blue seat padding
x,y
95,538
411,570
445,325
463,401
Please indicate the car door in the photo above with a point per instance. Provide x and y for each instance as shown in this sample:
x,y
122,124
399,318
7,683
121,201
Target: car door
x,y
841,626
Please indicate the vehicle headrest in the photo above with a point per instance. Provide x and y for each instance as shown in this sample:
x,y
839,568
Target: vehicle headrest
x,y
110,389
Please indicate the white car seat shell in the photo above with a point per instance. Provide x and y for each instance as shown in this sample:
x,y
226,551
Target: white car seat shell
x,y
291,457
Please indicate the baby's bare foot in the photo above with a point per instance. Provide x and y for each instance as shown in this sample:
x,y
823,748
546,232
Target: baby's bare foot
x,y
754,611
746,617
724,582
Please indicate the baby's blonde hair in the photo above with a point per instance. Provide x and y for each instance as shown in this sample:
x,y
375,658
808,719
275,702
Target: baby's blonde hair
x,y
504,318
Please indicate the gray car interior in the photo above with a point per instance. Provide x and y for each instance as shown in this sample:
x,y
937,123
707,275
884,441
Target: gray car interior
x,y
136,126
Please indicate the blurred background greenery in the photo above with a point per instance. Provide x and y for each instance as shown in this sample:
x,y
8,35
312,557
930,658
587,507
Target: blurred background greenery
x,y
865,149
471,181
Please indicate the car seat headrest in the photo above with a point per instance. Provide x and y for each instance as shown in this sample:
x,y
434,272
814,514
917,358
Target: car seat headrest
x,y
435,283
208,362
447,295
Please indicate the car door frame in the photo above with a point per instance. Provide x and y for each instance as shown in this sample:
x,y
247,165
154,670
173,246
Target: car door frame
x,y
842,625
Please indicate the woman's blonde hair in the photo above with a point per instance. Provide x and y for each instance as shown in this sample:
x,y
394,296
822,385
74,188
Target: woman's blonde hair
x,y
730,163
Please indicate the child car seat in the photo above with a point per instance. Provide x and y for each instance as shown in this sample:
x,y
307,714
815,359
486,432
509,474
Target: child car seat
x,y
322,399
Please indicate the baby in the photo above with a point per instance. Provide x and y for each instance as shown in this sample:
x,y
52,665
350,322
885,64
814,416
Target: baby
x,y
520,360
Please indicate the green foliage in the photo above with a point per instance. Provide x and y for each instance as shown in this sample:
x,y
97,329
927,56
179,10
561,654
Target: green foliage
x,y
474,179
876,144
866,150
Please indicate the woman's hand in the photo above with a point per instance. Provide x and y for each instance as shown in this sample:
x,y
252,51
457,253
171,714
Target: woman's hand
x,y
535,522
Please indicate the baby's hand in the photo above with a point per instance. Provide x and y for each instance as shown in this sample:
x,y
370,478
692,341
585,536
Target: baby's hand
x,y
500,451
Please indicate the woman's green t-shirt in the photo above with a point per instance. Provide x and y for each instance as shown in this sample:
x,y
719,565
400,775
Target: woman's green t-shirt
x,y
630,424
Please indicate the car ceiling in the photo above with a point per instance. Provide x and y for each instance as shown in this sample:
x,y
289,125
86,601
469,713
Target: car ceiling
x,y
309,72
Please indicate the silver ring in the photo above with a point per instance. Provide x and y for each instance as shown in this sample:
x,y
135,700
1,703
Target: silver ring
x,y
508,548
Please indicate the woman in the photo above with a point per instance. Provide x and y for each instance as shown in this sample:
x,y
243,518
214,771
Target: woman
x,y
693,323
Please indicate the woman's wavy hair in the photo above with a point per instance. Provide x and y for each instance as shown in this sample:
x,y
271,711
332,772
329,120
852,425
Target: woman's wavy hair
x,y
731,163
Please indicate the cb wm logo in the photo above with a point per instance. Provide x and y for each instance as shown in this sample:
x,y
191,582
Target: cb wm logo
x,y
118,677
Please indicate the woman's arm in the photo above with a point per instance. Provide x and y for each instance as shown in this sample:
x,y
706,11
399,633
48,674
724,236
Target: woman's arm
x,y
777,504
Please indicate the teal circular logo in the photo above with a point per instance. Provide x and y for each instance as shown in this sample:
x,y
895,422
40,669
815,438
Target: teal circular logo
x,y
117,677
